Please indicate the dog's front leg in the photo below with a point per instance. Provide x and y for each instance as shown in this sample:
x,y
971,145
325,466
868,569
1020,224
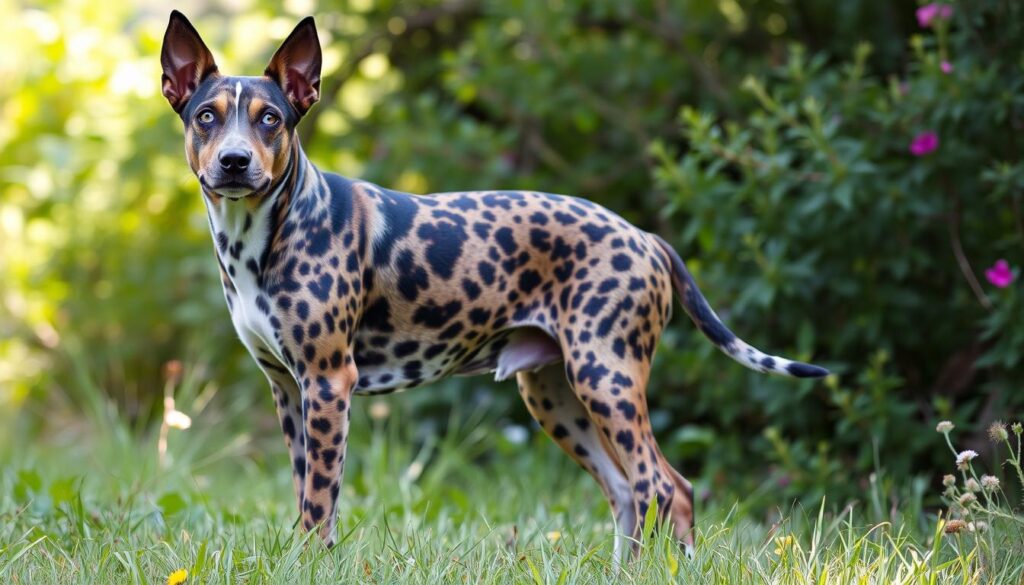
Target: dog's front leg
x,y
288,401
326,411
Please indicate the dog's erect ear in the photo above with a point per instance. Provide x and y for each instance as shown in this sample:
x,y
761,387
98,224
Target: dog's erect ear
x,y
295,66
185,59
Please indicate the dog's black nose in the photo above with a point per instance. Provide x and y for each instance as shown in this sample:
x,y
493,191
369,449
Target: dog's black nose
x,y
234,160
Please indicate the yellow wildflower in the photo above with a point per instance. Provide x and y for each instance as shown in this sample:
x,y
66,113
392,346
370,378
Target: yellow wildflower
x,y
178,577
784,544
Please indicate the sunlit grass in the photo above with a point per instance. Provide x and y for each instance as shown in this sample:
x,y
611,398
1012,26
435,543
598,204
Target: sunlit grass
x,y
88,502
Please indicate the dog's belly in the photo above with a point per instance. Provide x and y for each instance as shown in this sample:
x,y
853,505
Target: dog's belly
x,y
388,365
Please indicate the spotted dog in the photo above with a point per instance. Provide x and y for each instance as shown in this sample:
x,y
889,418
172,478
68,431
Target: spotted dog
x,y
339,287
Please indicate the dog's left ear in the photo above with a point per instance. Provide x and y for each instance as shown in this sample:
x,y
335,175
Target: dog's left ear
x,y
295,66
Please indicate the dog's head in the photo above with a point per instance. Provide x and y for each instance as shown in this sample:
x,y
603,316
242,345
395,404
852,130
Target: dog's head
x,y
239,131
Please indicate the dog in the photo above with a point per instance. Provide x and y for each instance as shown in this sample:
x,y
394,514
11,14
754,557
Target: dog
x,y
339,287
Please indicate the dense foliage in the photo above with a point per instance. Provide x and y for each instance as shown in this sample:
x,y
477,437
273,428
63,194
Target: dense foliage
x,y
788,150
855,215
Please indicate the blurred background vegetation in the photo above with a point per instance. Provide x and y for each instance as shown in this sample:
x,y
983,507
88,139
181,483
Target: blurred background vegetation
x,y
769,140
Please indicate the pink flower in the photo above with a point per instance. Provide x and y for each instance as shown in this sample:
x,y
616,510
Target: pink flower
x,y
924,143
929,13
1000,274
946,67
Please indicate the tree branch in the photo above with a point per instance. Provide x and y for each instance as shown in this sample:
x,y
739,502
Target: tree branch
x,y
953,224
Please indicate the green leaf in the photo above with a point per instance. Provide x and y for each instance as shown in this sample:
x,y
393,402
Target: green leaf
x,y
651,519
28,485
171,504
63,491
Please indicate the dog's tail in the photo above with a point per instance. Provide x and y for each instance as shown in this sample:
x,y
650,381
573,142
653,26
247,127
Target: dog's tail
x,y
697,307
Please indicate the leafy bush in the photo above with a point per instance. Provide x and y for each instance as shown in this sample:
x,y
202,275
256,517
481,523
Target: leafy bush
x,y
105,239
853,216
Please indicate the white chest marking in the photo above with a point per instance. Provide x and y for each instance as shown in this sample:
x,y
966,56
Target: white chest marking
x,y
241,257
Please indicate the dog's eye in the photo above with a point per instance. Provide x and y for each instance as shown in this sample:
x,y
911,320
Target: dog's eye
x,y
269,119
205,117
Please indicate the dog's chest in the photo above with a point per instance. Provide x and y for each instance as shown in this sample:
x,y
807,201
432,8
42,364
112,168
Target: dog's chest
x,y
241,237
249,315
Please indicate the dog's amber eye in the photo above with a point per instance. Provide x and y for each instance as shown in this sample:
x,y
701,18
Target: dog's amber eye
x,y
205,117
269,119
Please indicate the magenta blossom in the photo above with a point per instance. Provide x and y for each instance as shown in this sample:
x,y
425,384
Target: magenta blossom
x,y
930,13
924,143
946,67
1000,274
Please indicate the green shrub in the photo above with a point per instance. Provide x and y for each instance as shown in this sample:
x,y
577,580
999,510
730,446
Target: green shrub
x,y
813,222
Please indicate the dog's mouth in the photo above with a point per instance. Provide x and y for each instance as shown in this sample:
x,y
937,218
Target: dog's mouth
x,y
235,189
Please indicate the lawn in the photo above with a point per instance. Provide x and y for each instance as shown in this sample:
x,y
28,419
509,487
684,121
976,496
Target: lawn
x,y
87,499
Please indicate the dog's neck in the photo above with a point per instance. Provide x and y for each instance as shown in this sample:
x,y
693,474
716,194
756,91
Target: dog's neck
x,y
245,231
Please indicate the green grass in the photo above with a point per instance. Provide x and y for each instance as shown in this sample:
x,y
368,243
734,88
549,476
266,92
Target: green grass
x,y
86,501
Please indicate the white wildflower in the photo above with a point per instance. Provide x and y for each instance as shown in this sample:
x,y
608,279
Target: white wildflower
x,y
964,458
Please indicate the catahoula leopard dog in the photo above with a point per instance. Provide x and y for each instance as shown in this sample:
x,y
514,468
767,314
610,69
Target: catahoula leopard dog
x,y
339,287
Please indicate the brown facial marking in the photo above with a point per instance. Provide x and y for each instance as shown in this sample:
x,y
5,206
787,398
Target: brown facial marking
x,y
209,139
222,103
281,155
256,105
190,152
263,147
205,157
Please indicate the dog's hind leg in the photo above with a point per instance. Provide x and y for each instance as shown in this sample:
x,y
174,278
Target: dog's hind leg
x,y
613,391
551,401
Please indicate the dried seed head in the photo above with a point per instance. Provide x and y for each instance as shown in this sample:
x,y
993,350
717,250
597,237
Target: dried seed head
x,y
954,526
971,485
948,480
997,432
172,372
989,483
944,427
967,499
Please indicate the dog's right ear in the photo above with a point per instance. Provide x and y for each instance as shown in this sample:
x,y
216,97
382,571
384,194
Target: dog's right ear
x,y
185,59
